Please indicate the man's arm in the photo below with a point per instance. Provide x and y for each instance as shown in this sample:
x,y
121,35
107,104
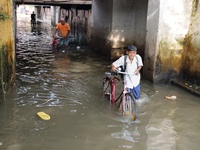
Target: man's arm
x,y
55,32
137,71
119,62
113,68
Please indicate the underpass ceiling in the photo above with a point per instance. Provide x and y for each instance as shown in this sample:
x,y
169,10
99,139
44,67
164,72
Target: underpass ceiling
x,y
53,2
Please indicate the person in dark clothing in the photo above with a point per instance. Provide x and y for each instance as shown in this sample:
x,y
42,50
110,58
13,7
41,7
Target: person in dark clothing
x,y
33,18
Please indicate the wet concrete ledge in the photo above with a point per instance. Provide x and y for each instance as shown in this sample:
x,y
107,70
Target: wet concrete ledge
x,y
194,89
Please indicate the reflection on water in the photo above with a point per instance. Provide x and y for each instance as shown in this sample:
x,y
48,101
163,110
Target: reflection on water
x,y
67,86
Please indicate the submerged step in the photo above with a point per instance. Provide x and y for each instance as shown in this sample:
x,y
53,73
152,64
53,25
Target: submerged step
x,y
187,85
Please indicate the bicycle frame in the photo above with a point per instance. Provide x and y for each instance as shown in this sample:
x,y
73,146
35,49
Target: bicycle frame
x,y
56,44
56,41
112,83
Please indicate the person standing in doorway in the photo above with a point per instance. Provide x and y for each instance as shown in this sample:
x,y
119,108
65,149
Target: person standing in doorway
x,y
64,31
133,63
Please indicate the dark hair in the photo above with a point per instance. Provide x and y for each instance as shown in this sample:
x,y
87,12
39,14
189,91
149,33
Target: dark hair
x,y
132,48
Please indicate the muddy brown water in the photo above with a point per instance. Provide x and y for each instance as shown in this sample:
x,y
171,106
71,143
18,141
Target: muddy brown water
x,y
67,86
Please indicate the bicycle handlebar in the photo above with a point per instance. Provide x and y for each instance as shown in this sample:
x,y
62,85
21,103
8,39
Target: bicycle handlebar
x,y
58,37
125,73
111,73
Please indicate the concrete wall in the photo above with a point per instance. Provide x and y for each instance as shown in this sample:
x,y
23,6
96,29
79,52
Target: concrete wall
x,y
191,59
102,11
167,26
122,22
7,43
139,36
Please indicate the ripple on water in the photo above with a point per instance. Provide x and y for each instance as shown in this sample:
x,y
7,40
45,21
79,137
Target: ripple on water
x,y
161,135
127,135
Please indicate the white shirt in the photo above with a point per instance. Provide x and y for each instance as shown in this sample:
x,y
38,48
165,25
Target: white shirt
x,y
131,80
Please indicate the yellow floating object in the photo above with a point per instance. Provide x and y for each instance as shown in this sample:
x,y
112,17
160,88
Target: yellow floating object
x,y
127,113
43,115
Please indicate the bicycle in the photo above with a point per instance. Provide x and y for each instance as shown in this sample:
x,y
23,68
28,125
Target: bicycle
x,y
127,102
57,46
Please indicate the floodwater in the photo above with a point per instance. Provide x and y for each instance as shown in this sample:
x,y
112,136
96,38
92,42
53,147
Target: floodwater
x,y
67,86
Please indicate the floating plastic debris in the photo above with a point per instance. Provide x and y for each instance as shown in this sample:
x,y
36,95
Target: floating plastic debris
x,y
43,115
173,97
73,110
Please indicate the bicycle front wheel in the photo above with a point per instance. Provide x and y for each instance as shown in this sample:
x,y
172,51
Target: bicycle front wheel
x,y
129,106
107,88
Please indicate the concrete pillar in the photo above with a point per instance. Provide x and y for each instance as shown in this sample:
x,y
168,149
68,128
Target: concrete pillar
x,y
167,26
151,39
37,12
42,13
55,15
102,11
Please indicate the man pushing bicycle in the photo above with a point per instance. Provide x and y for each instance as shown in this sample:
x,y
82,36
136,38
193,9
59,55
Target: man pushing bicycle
x,y
64,30
132,64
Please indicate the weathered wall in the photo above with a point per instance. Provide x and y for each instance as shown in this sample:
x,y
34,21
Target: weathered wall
x,y
116,24
123,21
101,25
139,36
7,43
191,61
167,26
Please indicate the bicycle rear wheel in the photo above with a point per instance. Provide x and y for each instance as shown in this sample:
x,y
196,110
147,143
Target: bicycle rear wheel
x,y
129,106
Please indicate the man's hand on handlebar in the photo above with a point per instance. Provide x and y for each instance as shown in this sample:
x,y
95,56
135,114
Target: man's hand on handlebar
x,y
113,68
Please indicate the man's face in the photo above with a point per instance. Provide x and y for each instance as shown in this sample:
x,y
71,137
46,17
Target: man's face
x,y
62,22
131,54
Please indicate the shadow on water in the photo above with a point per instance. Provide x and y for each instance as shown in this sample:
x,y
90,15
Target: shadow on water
x,y
67,86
